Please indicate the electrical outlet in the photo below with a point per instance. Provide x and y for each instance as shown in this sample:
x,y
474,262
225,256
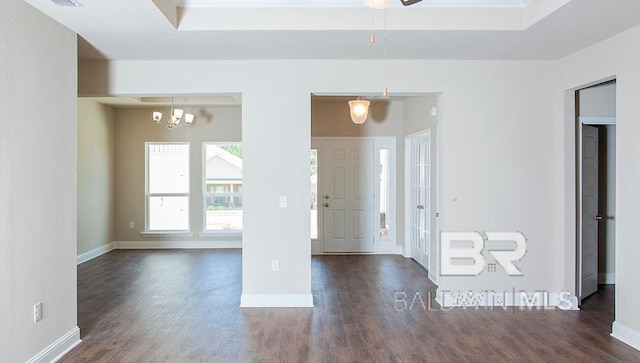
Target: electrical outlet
x,y
37,312
275,265
132,225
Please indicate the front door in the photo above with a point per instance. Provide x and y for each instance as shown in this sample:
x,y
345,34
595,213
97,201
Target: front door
x,y
348,200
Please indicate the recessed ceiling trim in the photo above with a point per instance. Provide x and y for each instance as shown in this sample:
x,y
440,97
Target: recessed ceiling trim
x,y
345,3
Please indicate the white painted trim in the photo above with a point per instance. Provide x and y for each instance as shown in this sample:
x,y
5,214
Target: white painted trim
x,y
498,300
59,348
385,247
626,335
90,255
218,234
393,252
346,4
144,245
166,233
389,143
407,194
317,244
597,120
432,277
608,278
276,301
405,253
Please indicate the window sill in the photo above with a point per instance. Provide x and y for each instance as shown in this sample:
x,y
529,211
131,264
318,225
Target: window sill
x,y
166,233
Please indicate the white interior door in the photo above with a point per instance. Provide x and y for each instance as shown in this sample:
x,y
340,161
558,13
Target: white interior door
x,y
589,238
420,205
348,200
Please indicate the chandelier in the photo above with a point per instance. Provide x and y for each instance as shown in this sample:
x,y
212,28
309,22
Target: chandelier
x,y
176,117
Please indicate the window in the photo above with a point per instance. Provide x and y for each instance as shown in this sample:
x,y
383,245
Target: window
x,y
384,192
167,187
314,193
222,185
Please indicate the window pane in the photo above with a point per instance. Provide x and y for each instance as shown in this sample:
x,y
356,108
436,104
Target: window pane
x,y
168,213
224,213
168,168
314,194
384,193
223,186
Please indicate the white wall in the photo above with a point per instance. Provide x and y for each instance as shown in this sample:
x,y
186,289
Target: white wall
x,y
96,175
134,127
37,182
495,175
617,58
598,100
332,118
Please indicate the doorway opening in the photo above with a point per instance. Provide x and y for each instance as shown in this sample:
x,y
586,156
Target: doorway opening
x,y
338,150
595,192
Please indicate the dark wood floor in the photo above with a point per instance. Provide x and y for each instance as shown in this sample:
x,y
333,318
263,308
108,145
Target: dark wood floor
x,y
182,306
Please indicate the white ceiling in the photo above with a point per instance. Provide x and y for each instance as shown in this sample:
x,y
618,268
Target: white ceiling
x,y
432,29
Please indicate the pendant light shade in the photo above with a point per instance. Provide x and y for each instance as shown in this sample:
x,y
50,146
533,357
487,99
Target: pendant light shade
x,y
359,110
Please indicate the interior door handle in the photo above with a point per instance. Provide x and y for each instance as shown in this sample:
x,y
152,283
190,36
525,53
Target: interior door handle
x,y
598,218
326,204
420,207
326,196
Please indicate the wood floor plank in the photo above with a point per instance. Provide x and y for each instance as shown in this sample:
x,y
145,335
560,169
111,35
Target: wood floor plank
x,y
183,306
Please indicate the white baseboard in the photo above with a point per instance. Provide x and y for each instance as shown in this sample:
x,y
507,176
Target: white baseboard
x,y
608,278
626,335
277,301
386,247
433,278
59,348
383,247
493,299
144,245
90,255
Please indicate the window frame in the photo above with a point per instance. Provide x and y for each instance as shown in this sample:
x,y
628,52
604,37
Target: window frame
x,y
205,193
148,194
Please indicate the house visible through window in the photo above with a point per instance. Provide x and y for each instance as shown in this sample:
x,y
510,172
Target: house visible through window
x,y
167,186
223,187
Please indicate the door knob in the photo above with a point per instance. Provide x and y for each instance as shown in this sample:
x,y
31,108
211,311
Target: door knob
x,y
326,197
326,204
598,218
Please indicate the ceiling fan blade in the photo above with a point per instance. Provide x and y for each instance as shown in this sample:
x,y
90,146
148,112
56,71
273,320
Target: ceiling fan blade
x,y
409,2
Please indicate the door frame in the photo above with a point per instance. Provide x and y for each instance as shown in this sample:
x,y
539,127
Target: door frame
x,y
409,200
380,246
434,178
